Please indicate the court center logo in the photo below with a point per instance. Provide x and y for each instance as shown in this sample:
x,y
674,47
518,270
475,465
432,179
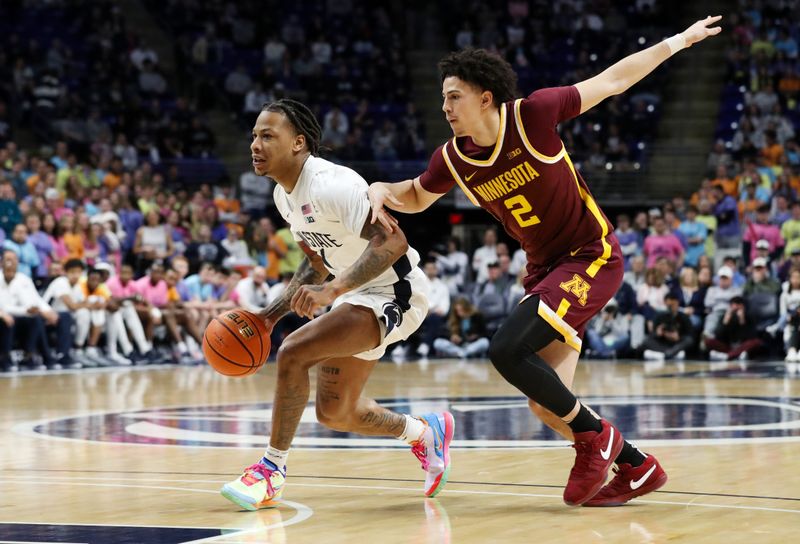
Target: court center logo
x,y
481,422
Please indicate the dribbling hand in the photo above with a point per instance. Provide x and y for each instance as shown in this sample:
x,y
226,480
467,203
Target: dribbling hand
x,y
701,30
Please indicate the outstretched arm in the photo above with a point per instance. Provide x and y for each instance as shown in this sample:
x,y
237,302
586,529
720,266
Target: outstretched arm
x,y
384,248
310,272
619,77
404,196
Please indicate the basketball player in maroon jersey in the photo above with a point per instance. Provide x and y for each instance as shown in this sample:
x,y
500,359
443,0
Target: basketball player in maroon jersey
x,y
507,157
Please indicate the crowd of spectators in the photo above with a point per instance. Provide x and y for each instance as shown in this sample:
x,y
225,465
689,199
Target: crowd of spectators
x,y
346,60
122,264
76,71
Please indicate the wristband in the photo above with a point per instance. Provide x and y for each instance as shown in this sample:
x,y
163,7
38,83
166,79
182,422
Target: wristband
x,y
676,43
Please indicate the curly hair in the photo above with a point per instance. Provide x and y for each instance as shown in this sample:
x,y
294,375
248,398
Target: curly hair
x,y
485,70
301,118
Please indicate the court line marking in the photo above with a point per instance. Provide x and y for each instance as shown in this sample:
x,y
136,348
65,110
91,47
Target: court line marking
x,y
386,488
302,512
26,428
38,542
376,479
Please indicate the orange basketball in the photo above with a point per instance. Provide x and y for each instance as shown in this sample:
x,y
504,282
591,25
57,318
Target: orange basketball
x,y
236,343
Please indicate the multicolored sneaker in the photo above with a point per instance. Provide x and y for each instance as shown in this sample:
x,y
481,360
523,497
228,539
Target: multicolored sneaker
x,y
433,450
630,482
594,454
261,486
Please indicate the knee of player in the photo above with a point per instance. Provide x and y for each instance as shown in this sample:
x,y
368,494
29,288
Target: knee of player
x,y
331,415
292,356
501,350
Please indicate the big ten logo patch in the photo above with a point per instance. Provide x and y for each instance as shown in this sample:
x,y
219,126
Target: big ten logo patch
x,y
578,287
242,324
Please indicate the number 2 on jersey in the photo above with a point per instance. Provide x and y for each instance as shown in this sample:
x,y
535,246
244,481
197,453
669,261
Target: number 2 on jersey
x,y
520,206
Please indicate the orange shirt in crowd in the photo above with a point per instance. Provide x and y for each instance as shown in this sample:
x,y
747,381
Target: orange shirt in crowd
x,y
772,154
112,180
101,291
729,186
276,246
227,205
73,243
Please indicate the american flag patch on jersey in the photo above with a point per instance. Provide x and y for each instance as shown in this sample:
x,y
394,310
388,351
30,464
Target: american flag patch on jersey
x,y
306,209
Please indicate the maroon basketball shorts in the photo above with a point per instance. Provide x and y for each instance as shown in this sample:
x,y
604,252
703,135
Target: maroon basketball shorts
x,y
576,287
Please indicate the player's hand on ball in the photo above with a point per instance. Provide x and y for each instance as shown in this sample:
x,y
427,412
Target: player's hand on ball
x,y
309,298
378,196
701,30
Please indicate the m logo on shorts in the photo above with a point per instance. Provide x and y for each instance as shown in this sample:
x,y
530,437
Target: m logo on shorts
x,y
578,287
393,316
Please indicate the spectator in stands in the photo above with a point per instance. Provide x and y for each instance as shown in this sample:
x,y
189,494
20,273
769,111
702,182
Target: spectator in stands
x,y
293,256
468,336
65,296
689,295
731,262
438,306
23,313
10,214
608,334
153,241
43,243
484,255
792,262
238,252
760,280
25,250
204,249
90,319
124,298
789,322
790,230
672,334
453,265
662,243
200,288
717,301
695,234
496,283
636,275
762,251
726,212
629,240
177,316
762,230
705,215
650,294
152,290
69,241
735,336
254,290
255,193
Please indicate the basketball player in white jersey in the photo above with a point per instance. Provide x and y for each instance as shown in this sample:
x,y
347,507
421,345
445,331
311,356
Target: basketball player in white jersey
x,y
378,297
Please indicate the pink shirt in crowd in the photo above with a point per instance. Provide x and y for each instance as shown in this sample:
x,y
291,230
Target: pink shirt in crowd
x,y
757,231
121,291
154,294
666,245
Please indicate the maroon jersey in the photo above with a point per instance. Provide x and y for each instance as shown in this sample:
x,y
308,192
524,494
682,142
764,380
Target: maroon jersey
x,y
527,180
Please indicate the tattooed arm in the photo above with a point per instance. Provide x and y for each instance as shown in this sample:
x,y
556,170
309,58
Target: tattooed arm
x,y
310,272
383,250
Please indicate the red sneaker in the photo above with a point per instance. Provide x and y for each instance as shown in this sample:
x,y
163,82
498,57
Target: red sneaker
x,y
594,454
630,482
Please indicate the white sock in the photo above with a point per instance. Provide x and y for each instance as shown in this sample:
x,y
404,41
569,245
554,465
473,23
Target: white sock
x,y
276,457
413,430
182,347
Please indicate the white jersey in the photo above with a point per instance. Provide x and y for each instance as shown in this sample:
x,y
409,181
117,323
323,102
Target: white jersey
x,y
327,210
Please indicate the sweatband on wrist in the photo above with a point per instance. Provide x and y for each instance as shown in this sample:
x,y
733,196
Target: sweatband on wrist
x,y
676,43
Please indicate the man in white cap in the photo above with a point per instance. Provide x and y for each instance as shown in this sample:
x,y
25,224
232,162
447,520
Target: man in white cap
x,y
718,298
760,280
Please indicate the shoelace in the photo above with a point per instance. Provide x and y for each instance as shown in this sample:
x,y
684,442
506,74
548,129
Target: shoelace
x,y
585,459
265,473
421,452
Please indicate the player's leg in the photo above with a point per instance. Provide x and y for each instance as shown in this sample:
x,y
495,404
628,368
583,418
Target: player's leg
x,y
342,407
344,331
564,360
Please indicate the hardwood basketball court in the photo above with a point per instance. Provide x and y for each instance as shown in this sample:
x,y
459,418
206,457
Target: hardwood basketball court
x,y
138,455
